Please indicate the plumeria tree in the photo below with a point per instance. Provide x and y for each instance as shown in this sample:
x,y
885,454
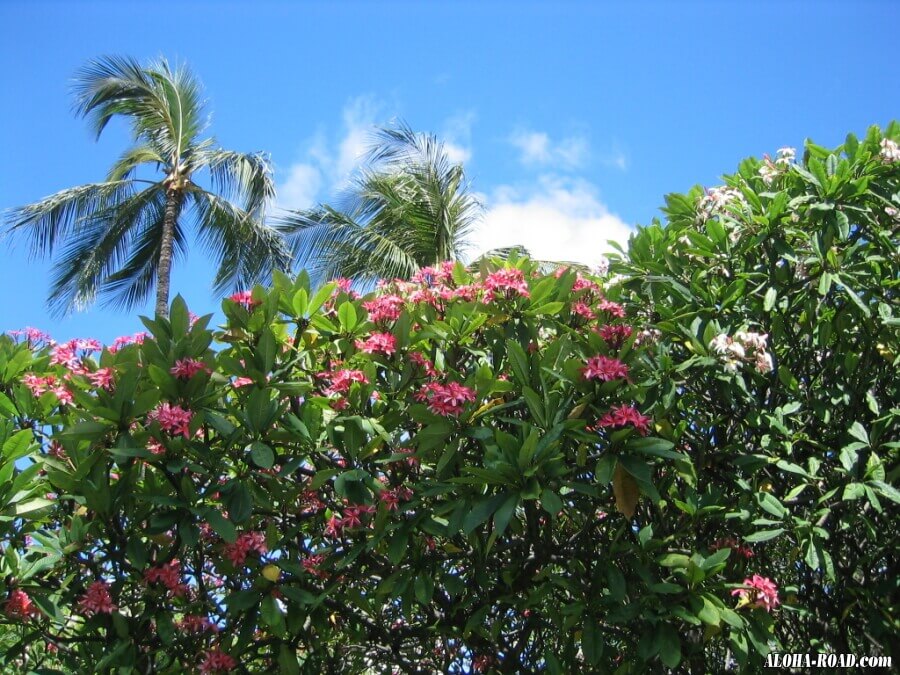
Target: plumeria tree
x,y
452,474
775,300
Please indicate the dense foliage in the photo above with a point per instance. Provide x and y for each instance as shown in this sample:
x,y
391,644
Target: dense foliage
x,y
683,467
794,446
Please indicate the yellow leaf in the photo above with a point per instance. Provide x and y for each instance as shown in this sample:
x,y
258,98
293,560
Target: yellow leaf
x,y
493,403
625,488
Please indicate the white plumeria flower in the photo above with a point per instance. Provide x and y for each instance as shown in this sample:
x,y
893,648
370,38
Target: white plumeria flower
x,y
890,151
735,349
786,156
763,362
719,344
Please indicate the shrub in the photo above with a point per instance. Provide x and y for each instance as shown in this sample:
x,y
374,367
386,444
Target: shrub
x,y
776,300
424,478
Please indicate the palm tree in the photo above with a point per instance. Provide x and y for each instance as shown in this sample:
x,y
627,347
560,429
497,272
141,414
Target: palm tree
x,y
120,237
409,208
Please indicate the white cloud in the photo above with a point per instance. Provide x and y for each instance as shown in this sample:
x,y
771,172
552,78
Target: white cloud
x,y
328,164
556,219
457,137
536,148
299,189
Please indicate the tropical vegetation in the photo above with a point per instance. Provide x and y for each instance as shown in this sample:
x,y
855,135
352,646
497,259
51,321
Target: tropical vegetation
x,y
119,238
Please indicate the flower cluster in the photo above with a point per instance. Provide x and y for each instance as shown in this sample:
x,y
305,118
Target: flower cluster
x,y
173,419
890,151
96,600
623,416
505,283
758,592
185,369
391,498
720,200
216,661
424,363
434,276
244,298
604,368
341,380
744,347
194,623
312,565
20,606
614,334
378,343
33,335
384,308
770,170
39,385
730,542
445,399
169,575
246,543
125,340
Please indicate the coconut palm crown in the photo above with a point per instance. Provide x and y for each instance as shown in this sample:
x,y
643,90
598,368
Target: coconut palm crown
x,y
409,207
119,238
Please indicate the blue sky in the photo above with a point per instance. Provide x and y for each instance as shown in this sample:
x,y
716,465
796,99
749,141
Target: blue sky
x,y
573,118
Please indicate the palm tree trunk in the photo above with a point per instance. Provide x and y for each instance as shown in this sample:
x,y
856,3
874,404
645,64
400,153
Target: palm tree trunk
x,y
174,199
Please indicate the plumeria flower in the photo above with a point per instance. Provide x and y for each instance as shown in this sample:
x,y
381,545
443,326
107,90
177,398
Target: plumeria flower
x,y
185,369
96,600
20,606
445,399
216,661
890,151
604,368
378,343
758,592
244,298
173,419
623,416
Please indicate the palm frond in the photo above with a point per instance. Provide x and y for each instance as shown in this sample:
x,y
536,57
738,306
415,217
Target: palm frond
x,y
56,217
163,105
329,243
131,159
246,249
409,208
99,248
245,178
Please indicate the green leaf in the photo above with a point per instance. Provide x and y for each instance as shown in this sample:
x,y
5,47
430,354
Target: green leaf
x,y
239,503
769,301
19,444
300,303
347,316
886,490
518,361
551,502
763,535
7,407
262,455
221,525
668,645
858,431
657,447
504,513
287,660
483,510
424,588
